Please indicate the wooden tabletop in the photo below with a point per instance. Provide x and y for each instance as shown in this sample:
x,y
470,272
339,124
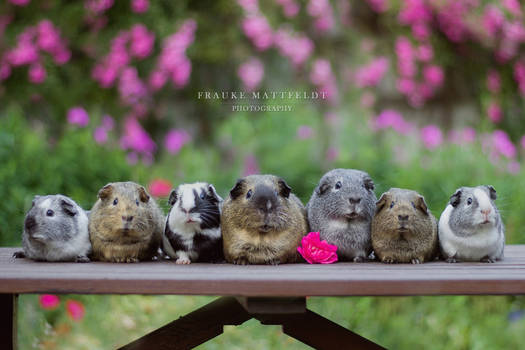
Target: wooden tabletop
x,y
340,279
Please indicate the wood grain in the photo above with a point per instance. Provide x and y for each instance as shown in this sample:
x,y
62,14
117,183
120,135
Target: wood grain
x,y
341,279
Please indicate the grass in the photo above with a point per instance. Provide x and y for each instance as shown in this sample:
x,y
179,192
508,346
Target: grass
x,y
448,322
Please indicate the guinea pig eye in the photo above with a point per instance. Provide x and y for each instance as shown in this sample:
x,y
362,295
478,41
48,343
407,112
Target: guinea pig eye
x,y
137,202
115,201
338,185
249,194
50,212
413,205
203,195
469,201
392,205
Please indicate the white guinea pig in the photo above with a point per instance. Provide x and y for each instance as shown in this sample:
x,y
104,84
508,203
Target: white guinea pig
x,y
470,227
55,229
193,232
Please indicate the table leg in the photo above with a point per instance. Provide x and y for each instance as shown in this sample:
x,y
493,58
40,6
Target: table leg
x,y
195,328
8,321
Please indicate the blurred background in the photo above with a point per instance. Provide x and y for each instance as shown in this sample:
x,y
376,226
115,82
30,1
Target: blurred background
x,y
421,94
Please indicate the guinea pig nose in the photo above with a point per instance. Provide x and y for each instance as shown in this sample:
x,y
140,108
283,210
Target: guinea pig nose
x,y
30,223
354,200
486,211
402,217
127,218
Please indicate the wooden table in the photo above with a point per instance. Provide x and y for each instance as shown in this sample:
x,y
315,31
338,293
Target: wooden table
x,y
271,294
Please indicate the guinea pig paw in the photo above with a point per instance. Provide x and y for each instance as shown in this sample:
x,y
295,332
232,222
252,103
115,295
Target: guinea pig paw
x,y
415,261
240,261
486,259
183,261
388,260
273,262
359,259
451,260
19,255
82,259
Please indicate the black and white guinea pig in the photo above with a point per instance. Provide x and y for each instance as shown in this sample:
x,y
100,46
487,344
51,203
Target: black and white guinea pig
x,y
55,229
193,232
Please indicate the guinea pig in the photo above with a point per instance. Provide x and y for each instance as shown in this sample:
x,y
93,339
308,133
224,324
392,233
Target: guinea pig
x,y
341,210
55,229
470,227
193,231
262,222
125,224
403,229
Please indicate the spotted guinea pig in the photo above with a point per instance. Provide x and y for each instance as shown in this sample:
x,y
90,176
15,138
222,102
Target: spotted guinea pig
x,y
193,232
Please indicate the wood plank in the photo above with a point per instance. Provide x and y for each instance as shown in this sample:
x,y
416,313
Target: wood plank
x,y
165,277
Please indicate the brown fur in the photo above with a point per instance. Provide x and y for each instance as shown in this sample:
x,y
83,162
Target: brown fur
x,y
241,222
418,243
115,240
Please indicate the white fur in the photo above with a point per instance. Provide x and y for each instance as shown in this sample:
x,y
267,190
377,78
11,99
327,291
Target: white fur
x,y
337,225
486,242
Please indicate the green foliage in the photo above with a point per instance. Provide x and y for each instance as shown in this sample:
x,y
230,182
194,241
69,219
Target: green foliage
x,y
73,165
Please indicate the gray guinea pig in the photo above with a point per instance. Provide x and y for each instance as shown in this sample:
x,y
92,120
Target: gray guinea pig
x,y
470,227
55,229
341,210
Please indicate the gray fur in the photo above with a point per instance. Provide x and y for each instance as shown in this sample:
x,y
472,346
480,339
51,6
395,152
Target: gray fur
x,y
335,214
465,233
60,236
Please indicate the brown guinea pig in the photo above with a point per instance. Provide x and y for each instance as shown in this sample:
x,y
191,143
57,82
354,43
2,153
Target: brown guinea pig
x,y
125,224
262,222
403,229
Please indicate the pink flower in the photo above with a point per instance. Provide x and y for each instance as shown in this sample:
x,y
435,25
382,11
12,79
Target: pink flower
x,y
431,136
175,139
321,10
37,73
78,116
181,73
250,165
296,47
19,2
290,7
107,122
433,75
315,251
378,5
24,53
425,53
406,86
75,310
98,6
494,112
321,72
160,188
250,6
141,41
389,118
48,301
304,132
258,30
251,73
502,144
493,81
513,6
130,87
513,167
492,20
5,70
157,80
372,73
100,135
136,138
139,6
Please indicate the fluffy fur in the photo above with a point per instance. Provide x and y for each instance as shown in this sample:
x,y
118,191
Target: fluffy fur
x,y
55,229
125,225
403,229
470,227
341,210
193,225
262,222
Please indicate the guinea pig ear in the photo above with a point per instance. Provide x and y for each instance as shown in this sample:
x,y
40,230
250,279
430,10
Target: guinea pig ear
x,y
322,188
381,202
369,184
143,195
212,192
492,192
284,189
455,198
105,191
173,197
421,204
236,191
68,207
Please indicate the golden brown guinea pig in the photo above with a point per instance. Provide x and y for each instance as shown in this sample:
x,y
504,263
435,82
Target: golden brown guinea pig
x,y
262,222
403,229
125,224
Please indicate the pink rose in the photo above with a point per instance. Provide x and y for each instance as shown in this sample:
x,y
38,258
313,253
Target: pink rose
x,y
48,301
316,251
160,188
75,310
